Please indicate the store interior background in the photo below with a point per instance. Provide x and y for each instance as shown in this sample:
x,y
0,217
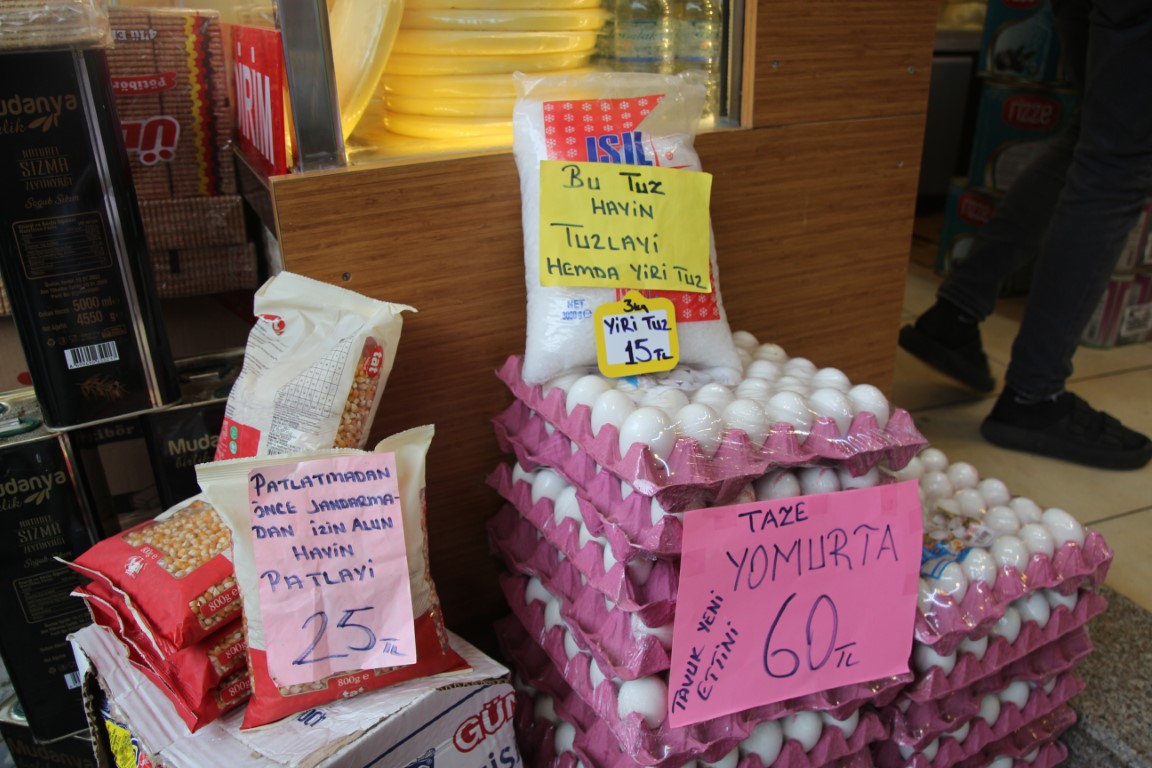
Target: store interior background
x,y
1118,380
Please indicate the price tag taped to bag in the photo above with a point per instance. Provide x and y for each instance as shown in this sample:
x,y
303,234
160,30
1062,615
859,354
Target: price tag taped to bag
x,y
783,598
636,335
604,225
328,539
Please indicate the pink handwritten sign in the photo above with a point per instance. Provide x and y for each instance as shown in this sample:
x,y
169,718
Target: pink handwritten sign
x,y
328,535
783,598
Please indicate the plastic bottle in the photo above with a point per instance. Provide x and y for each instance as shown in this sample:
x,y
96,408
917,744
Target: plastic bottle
x,y
697,42
643,36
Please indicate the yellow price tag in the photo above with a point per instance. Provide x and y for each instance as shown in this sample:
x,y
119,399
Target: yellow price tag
x,y
604,225
636,335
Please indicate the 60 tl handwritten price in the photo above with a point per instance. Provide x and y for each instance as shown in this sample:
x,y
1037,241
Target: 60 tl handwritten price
x,y
791,664
369,639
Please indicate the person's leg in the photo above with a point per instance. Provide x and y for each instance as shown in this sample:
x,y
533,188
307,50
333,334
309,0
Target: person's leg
x,y
1109,180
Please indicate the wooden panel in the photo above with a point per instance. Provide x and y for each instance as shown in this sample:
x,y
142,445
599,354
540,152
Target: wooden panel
x,y
819,60
812,225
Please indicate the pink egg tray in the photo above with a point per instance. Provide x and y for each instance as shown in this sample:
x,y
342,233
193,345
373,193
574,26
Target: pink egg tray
x,y
654,598
1016,734
536,738
737,460
1001,658
613,742
925,720
1070,568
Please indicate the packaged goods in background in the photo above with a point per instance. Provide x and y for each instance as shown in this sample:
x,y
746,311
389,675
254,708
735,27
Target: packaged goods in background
x,y
966,209
1124,313
315,366
42,517
698,45
1020,41
1137,253
72,252
72,751
1013,123
26,25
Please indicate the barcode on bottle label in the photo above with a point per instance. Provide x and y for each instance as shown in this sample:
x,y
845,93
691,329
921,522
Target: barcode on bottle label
x,y
94,354
72,679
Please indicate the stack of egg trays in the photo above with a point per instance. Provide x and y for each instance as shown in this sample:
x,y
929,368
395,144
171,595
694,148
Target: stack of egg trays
x,y
995,670
594,597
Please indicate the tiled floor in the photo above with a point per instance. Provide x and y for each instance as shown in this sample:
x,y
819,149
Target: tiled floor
x,y
1118,380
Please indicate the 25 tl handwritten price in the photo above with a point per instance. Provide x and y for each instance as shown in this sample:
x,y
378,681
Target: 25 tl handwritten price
x,y
366,636
636,335
820,635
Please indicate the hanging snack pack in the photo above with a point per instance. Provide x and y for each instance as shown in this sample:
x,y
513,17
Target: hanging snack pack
x,y
227,484
619,118
315,367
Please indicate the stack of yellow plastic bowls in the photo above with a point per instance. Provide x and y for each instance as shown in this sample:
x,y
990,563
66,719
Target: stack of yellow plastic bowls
x,y
448,81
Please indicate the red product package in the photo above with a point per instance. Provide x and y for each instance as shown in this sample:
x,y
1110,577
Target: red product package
x,y
174,574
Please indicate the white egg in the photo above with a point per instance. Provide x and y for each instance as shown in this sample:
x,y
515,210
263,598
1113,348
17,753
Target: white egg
x,y
1002,521
571,648
1031,756
715,396
1027,510
929,751
651,427
792,384
952,581
535,591
595,676
730,760
626,490
564,381
663,634
609,556
934,460
765,742
975,646
780,484
979,565
1056,599
960,733
566,507
564,737
547,484
667,399
970,501
748,417
910,471
1037,538
847,725
762,369
832,404
831,378
1016,693
927,601
1008,625
804,727
544,708
521,475
848,481
744,356
925,657
994,491
989,708
639,569
1004,761
611,407
1048,685
800,365
936,484
815,480
773,352
586,537
789,408
655,511
585,390
647,696
745,340
702,424
962,475
1063,527
552,617
754,389
1009,550
1035,608
869,399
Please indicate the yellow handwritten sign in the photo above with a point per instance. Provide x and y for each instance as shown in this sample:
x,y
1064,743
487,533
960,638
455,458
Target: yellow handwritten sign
x,y
604,225
636,335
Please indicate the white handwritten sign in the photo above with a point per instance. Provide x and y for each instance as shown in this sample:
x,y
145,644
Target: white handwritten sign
x,y
783,598
328,536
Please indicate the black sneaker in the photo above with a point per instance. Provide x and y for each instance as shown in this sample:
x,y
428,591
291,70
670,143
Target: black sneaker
x,y
966,362
1065,428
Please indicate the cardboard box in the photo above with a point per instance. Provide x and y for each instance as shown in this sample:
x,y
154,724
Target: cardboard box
x,y
457,720
170,80
1020,41
1012,125
966,210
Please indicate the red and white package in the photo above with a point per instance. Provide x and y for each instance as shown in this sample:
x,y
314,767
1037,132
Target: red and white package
x,y
173,574
226,484
315,366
